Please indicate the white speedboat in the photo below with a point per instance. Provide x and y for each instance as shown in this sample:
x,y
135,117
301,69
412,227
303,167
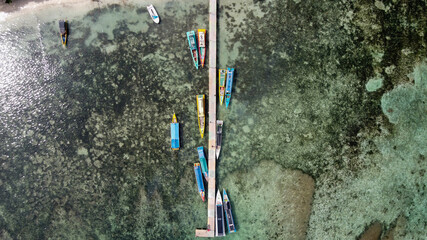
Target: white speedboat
x,y
153,13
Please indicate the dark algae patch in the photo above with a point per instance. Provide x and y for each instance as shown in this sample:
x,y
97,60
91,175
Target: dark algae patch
x,y
326,125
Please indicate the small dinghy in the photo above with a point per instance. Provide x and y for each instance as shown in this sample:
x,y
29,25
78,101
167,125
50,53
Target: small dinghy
x,y
153,13
63,31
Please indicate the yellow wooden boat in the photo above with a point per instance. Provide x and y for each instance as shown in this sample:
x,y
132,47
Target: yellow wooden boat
x,y
222,78
201,113
63,31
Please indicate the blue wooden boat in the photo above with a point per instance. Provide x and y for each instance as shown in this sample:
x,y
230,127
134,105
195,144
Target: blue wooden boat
x,y
228,214
191,36
230,73
174,133
203,162
219,216
199,180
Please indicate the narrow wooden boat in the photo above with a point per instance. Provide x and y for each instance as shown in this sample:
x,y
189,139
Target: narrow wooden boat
x,y
203,163
191,37
199,180
219,124
228,214
201,113
174,133
222,78
202,45
230,73
219,216
63,31
153,13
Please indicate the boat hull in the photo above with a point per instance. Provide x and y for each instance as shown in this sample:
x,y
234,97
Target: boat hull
x,y
199,180
201,113
192,43
221,85
174,133
230,75
201,33
203,163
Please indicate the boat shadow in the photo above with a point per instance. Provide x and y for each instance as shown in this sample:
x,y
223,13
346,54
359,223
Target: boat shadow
x,y
235,218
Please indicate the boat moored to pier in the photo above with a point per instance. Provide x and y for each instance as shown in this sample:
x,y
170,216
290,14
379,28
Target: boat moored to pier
x,y
153,14
219,124
201,113
201,33
219,216
228,214
191,37
203,163
199,180
174,133
230,75
222,78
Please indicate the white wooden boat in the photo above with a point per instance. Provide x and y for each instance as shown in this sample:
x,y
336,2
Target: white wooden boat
x,y
219,216
219,124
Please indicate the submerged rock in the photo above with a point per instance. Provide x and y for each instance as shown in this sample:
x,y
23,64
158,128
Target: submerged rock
x,y
270,202
372,233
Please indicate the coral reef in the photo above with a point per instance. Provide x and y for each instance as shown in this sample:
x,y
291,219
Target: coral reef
x,y
327,90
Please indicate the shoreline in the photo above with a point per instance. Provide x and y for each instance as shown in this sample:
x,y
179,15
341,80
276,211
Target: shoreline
x,y
15,9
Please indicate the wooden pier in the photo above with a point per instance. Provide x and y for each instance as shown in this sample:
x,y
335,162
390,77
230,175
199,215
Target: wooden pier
x,y
210,231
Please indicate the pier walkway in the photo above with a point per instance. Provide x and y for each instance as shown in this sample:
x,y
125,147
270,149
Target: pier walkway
x,y
210,231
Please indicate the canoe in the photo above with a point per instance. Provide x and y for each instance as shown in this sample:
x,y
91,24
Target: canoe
x,y
201,33
191,37
203,163
153,13
228,214
63,31
201,113
174,133
199,180
230,73
219,216
222,78
219,124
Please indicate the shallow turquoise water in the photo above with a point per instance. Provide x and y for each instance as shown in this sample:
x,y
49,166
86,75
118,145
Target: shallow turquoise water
x,y
85,151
